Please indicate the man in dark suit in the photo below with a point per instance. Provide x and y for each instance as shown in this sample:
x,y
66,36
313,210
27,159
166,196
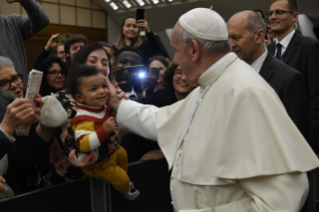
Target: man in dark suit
x,y
299,52
246,31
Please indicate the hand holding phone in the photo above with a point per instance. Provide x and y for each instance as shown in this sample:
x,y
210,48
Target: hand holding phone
x,y
34,83
141,19
62,38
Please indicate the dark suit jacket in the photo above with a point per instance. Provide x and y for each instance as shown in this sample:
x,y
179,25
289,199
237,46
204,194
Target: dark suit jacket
x,y
303,55
290,88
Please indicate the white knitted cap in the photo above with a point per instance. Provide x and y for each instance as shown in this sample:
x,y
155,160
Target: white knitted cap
x,y
205,24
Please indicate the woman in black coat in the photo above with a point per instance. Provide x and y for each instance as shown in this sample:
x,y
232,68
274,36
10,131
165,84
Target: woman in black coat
x,y
130,37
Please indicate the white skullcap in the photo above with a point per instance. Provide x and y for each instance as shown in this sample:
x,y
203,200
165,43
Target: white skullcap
x,y
205,24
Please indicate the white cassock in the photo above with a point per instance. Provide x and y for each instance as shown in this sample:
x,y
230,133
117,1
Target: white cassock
x,y
230,143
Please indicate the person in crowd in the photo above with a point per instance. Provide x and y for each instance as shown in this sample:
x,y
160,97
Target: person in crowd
x,y
93,124
73,44
52,44
111,53
69,159
127,57
15,29
162,63
246,32
271,37
260,12
233,112
54,75
299,52
130,37
176,88
21,152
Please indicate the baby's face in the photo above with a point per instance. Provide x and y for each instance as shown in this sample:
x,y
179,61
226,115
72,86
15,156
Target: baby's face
x,y
93,91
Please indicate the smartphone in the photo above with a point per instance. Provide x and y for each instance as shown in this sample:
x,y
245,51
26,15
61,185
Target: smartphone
x,y
154,70
7,95
130,73
140,14
34,83
62,38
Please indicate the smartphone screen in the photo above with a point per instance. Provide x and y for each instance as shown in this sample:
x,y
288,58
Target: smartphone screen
x,y
62,38
140,14
155,71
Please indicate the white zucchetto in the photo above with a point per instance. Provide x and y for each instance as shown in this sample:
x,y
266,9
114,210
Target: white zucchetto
x,y
205,24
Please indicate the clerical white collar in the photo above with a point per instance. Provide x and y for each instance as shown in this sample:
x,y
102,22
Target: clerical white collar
x,y
260,61
131,93
285,42
215,65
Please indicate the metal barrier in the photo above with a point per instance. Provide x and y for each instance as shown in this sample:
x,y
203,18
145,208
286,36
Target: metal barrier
x,y
87,195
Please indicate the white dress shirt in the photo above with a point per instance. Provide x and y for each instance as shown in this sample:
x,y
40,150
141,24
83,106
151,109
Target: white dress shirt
x,y
260,61
131,93
284,42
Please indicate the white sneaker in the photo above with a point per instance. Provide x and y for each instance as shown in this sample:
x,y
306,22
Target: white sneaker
x,y
133,193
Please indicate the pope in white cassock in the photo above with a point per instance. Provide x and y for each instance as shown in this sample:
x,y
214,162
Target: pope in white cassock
x,y
230,143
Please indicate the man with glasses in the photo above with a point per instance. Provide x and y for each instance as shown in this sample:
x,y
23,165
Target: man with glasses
x,y
246,32
299,52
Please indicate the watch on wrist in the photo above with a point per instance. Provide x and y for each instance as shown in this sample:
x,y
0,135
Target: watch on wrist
x,y
45,129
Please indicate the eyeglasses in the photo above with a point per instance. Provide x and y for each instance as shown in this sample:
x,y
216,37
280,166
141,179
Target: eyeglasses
x,y
178,73
16,79
277,13
55,73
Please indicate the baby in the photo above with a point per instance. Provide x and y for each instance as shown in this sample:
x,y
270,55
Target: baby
x,y
92,125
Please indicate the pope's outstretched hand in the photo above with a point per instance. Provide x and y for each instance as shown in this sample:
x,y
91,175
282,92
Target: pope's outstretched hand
x,y
115,95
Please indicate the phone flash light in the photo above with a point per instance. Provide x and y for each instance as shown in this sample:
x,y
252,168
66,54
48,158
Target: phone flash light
x,y
141,75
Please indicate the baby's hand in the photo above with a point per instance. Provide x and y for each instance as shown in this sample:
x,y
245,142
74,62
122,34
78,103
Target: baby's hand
x,y
110,125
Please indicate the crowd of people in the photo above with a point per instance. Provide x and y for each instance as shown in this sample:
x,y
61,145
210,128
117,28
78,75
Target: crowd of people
x,y
235,114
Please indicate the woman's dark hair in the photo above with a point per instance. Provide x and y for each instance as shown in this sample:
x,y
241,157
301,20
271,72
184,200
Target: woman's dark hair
x,y
162,59
120,40
44,66
74,80
261,12
109,46
168,76
83,54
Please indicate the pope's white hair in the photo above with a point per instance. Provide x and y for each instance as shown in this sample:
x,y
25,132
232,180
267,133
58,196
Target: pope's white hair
x,y
6,62
210,47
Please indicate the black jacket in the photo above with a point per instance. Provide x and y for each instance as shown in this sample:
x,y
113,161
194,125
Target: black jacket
x,y
290,88
302,54
148,48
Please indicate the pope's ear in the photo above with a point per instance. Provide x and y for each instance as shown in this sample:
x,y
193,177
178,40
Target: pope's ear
x,y
194,50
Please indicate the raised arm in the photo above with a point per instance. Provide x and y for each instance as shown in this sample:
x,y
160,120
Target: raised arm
x,y
36,20
138,118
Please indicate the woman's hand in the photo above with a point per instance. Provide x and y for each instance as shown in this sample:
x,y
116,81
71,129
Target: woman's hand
x,y
19,112
3,188
37,113
38,99
155,154
143,24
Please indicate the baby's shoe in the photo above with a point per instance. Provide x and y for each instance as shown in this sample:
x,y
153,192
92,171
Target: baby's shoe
x,y
133,193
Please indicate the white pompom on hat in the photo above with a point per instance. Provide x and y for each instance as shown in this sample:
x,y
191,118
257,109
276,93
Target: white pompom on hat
x,y
205,24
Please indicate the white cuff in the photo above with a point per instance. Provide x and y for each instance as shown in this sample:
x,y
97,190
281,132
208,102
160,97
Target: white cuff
x,y
24,132
12,139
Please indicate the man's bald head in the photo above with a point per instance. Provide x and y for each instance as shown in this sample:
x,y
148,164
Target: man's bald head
x,y
246,32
